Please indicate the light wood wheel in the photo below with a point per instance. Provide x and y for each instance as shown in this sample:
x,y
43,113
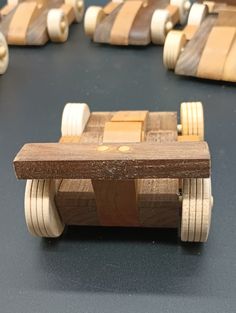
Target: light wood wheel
x,y
196,209
197,14
13,2
78,7
184,7
160,25
4,54
174,45
41,215
93,16
57,25
74,119
192,119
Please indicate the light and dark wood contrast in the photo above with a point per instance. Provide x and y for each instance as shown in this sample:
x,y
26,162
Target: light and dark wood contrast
x,y
34,22
126,168
134,22
211,51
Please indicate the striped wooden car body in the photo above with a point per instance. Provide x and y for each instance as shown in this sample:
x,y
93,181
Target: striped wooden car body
x,y
206,49
35,22
134,22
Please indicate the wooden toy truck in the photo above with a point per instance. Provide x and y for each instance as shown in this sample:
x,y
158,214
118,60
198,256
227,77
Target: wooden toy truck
x,y
134,22
4,54
34,22
206,47
126,168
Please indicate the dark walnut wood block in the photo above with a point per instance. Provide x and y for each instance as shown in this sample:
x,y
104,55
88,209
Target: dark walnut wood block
x,y
113,161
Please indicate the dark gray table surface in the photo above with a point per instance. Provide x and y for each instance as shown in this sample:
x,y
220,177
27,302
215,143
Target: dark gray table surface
x,y
98,270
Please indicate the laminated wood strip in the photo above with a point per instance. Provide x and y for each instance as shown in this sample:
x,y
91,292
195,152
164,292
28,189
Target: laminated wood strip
x,y
140,31
116,200
190,31
215,52
103,30
129,116
5,22
37,33
174,13
20,22
110,7
70,139
126,132
71,161
69,12
123,22
229,72
227,18
189,59
7,9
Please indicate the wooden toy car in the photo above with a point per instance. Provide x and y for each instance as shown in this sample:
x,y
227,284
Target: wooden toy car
x,y
134,22
4,54
34,22
126,168
206,47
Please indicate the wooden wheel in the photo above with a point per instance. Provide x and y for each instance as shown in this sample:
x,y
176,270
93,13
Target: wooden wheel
x,y
197,14
184,6
74,119
192,119
196,209
57,25
12,2
160,26
174,44
93,16
4,54
78,7
41,215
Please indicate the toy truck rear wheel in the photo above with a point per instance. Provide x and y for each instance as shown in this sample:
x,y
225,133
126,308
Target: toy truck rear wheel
x,y
93,16
74,119
197,203
160,25
57,25
192,119
41,215
174,44
4,54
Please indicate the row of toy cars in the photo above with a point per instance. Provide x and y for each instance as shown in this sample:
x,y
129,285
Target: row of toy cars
x,y
205,47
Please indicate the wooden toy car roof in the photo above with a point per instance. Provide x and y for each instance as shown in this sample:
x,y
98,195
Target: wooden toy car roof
x,y
113,161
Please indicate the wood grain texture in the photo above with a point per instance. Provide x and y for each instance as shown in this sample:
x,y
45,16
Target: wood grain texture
x,y
158,202
229,71
142,160
103,30
189,59
215,52
121,27
140,31
227,18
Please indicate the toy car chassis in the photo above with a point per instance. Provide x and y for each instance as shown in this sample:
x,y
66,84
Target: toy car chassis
x,y
34,22
134,22
4,54
206,47
126,168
